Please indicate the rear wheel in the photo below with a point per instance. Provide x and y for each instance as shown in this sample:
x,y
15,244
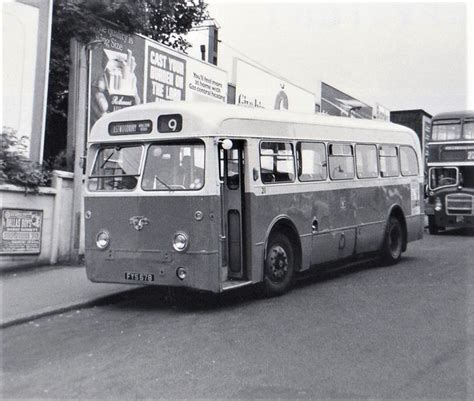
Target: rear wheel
x,y
393,243
279,265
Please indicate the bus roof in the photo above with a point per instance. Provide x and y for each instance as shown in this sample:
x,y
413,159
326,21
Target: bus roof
x,y
208,118
454,114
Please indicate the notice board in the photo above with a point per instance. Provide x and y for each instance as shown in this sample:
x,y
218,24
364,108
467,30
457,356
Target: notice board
x,y
21,231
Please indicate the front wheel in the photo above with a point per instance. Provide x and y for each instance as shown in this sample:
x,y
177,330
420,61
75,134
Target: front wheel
x,y
433,229
279,265
393,243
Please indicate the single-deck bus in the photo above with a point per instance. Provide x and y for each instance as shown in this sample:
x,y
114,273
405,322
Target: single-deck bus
x,y
450,200
215,197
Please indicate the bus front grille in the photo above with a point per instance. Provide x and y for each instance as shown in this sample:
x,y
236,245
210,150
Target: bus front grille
x,y
459,204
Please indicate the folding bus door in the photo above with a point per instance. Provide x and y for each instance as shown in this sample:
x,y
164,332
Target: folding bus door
x,y
232,161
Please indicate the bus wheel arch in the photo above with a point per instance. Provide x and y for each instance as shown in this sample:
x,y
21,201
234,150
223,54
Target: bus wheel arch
x,y
395,237
282,246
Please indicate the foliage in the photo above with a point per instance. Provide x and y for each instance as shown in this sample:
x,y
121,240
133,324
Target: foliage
x,y
15,167
161,20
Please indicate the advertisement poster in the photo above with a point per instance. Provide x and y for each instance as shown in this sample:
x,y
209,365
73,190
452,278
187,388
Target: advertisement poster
x,y
165,75
116,72
337,103
128,69
261,89
20,231
204,83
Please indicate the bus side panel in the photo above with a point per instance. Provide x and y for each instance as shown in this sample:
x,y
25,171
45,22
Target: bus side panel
x,y
416,222
261,212
349,221
371,206
149,250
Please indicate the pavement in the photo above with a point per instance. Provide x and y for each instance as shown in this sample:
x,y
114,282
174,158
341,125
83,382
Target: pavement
x,y
43,291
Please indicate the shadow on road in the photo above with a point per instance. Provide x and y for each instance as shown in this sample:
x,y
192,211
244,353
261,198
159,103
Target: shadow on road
x,y
452,232
185,300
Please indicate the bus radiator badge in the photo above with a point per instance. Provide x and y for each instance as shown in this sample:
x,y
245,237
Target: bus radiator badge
x,y
138,222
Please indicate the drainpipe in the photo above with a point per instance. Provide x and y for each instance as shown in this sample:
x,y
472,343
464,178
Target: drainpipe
x,y
57,181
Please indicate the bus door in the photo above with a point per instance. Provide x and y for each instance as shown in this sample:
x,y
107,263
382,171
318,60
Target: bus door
x,y
231,163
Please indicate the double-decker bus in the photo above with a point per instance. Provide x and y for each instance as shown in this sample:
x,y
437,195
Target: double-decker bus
x,y
450,191
216,197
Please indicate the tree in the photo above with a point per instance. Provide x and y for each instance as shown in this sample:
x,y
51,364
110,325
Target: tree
x,y
161,20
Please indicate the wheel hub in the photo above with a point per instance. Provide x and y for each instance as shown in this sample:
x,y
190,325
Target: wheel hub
x,y
278,262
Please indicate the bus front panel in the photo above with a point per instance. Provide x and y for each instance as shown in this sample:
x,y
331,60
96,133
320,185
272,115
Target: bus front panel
x,y
138,240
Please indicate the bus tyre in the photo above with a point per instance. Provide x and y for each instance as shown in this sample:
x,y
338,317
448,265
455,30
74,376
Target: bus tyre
x,y
433,229
279,265
393,243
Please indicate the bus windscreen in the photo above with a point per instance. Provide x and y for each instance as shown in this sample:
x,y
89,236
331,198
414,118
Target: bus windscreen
x,y
116,168
174,167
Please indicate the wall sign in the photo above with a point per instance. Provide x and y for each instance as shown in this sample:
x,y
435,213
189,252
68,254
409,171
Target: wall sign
x,y
257,88
21,231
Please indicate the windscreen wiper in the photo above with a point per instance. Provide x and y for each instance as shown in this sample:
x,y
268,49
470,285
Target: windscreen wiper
x,y
163,183
108,157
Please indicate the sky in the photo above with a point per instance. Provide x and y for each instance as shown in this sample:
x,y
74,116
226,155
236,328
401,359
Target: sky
x,y
400,55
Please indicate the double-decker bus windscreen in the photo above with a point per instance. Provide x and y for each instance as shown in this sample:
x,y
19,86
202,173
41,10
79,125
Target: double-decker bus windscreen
x,y
446,130
174,167
116,168
443,177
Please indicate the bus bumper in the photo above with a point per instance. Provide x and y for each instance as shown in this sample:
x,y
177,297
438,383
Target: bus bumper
x,y
198,271
444,220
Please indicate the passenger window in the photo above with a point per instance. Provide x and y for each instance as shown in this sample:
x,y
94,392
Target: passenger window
x,y
366,161
408,161
277,162
341,162
312,161
389,166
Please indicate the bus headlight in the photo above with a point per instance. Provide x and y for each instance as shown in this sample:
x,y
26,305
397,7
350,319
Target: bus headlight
x,y
438,205
180,241
102,240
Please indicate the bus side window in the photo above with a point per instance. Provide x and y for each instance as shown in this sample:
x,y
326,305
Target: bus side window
x,y
312,161
388,157
366,161
341,162
277,163
408,161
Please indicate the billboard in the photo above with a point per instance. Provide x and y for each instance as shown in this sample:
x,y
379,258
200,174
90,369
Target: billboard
x,y
337,103
128,69
26,47
258,88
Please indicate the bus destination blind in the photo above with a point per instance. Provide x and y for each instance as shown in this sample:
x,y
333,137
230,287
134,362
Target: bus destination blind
x,y
130,127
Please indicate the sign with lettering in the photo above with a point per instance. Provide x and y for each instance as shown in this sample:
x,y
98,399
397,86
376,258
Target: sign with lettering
x,y
21,231
116,72
257,88
165,75
204,83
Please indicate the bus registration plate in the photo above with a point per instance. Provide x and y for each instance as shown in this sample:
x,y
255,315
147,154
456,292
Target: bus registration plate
x,y
139,276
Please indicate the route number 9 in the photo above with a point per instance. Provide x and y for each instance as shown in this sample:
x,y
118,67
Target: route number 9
x,y
170,123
